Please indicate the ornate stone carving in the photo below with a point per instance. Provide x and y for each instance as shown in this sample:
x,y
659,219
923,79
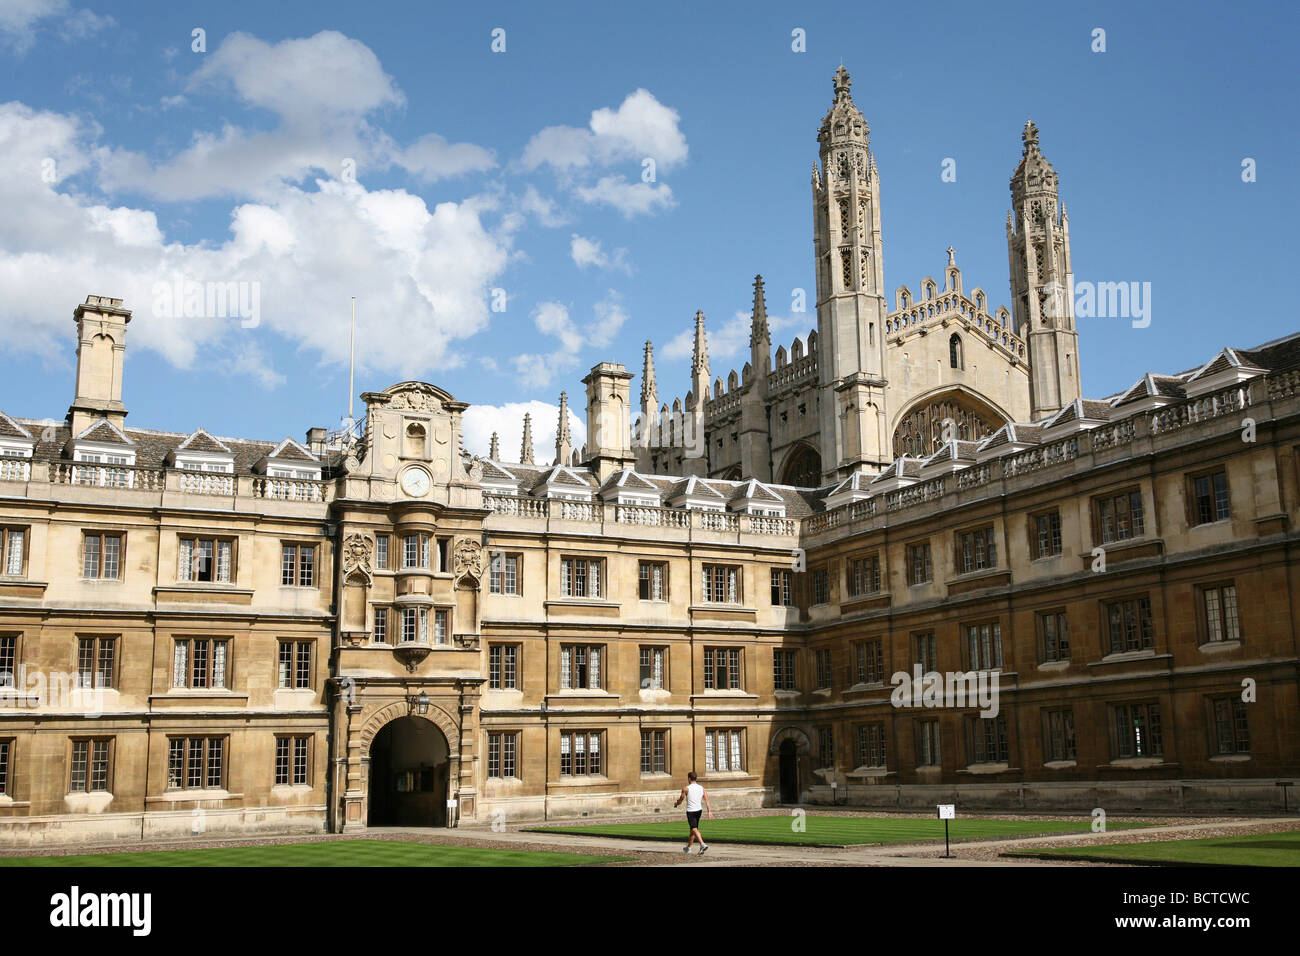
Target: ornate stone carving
x,y
468,641
467,563
416,398
357,551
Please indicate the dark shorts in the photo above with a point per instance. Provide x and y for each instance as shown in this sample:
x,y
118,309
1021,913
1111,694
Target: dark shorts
x,y
693,818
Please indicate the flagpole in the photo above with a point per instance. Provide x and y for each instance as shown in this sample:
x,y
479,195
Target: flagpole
x,y
352,361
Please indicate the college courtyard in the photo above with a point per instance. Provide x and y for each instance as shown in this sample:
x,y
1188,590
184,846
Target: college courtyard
x,y
817,837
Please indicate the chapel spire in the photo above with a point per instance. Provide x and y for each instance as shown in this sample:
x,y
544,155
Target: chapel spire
x,y
494,448
649,387
759,334
563,439
526,446
700,363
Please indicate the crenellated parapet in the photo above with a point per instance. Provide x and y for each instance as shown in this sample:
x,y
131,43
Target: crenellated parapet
x,y
943,305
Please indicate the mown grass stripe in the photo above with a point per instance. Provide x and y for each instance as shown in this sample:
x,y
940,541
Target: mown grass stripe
x,y
834,831
326,853
1253,849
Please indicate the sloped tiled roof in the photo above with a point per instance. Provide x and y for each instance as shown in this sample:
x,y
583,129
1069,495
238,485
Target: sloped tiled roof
x,y
956,450
696,486
1081,409
1276,356
200,440
753,489
11,429
904,467
495,472
1012,432
857,481
1151,385
152,447
104,431
290,450
629,479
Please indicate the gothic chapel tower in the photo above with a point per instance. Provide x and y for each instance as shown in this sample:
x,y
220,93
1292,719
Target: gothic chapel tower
x,y
850,293
1038,243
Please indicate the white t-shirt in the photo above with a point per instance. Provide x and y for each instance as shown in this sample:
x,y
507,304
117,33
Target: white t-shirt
x,y
694,798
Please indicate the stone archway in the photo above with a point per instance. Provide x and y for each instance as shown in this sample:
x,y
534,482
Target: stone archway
x,y
803,746
802,468
409,774
788,745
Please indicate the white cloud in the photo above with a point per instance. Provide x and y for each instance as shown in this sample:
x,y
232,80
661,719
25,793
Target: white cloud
x,y
552,318
323,89
610,319
20,19
480,421
421,275
730,339
641,128
306,78
560,147
629,198
252,362
544,209
432,157
588,252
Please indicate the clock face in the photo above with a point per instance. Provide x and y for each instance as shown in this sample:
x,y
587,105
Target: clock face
x,y
416,482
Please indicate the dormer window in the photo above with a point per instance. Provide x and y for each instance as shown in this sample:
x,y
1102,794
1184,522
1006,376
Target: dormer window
x,y
16,442
290,460
104,455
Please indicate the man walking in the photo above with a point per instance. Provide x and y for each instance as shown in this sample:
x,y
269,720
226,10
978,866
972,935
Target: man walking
x,y
696,802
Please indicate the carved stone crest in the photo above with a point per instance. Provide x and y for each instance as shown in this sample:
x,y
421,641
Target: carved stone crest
x,y
416,399
357,551
467,563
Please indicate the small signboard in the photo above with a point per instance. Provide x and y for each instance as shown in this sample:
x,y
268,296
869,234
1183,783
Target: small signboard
x,y
451,804
947,811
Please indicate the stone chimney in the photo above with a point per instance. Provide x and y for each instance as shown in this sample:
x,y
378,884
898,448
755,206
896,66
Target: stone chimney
x,y
101,348
609,436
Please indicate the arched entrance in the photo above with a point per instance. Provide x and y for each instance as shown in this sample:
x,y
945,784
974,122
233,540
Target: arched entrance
x,y
789,744
409,774
789,772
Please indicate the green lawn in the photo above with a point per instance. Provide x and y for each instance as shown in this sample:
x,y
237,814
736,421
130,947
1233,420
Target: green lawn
x,y
1258,849
330,853
834,830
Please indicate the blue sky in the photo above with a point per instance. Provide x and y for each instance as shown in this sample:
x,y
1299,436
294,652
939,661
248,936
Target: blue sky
x,y
522,171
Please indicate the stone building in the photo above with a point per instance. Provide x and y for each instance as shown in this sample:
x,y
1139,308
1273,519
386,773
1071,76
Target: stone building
x,y
204,634
881,372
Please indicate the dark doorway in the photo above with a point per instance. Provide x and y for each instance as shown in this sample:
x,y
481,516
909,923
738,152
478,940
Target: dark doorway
x,y
789,772
408,775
